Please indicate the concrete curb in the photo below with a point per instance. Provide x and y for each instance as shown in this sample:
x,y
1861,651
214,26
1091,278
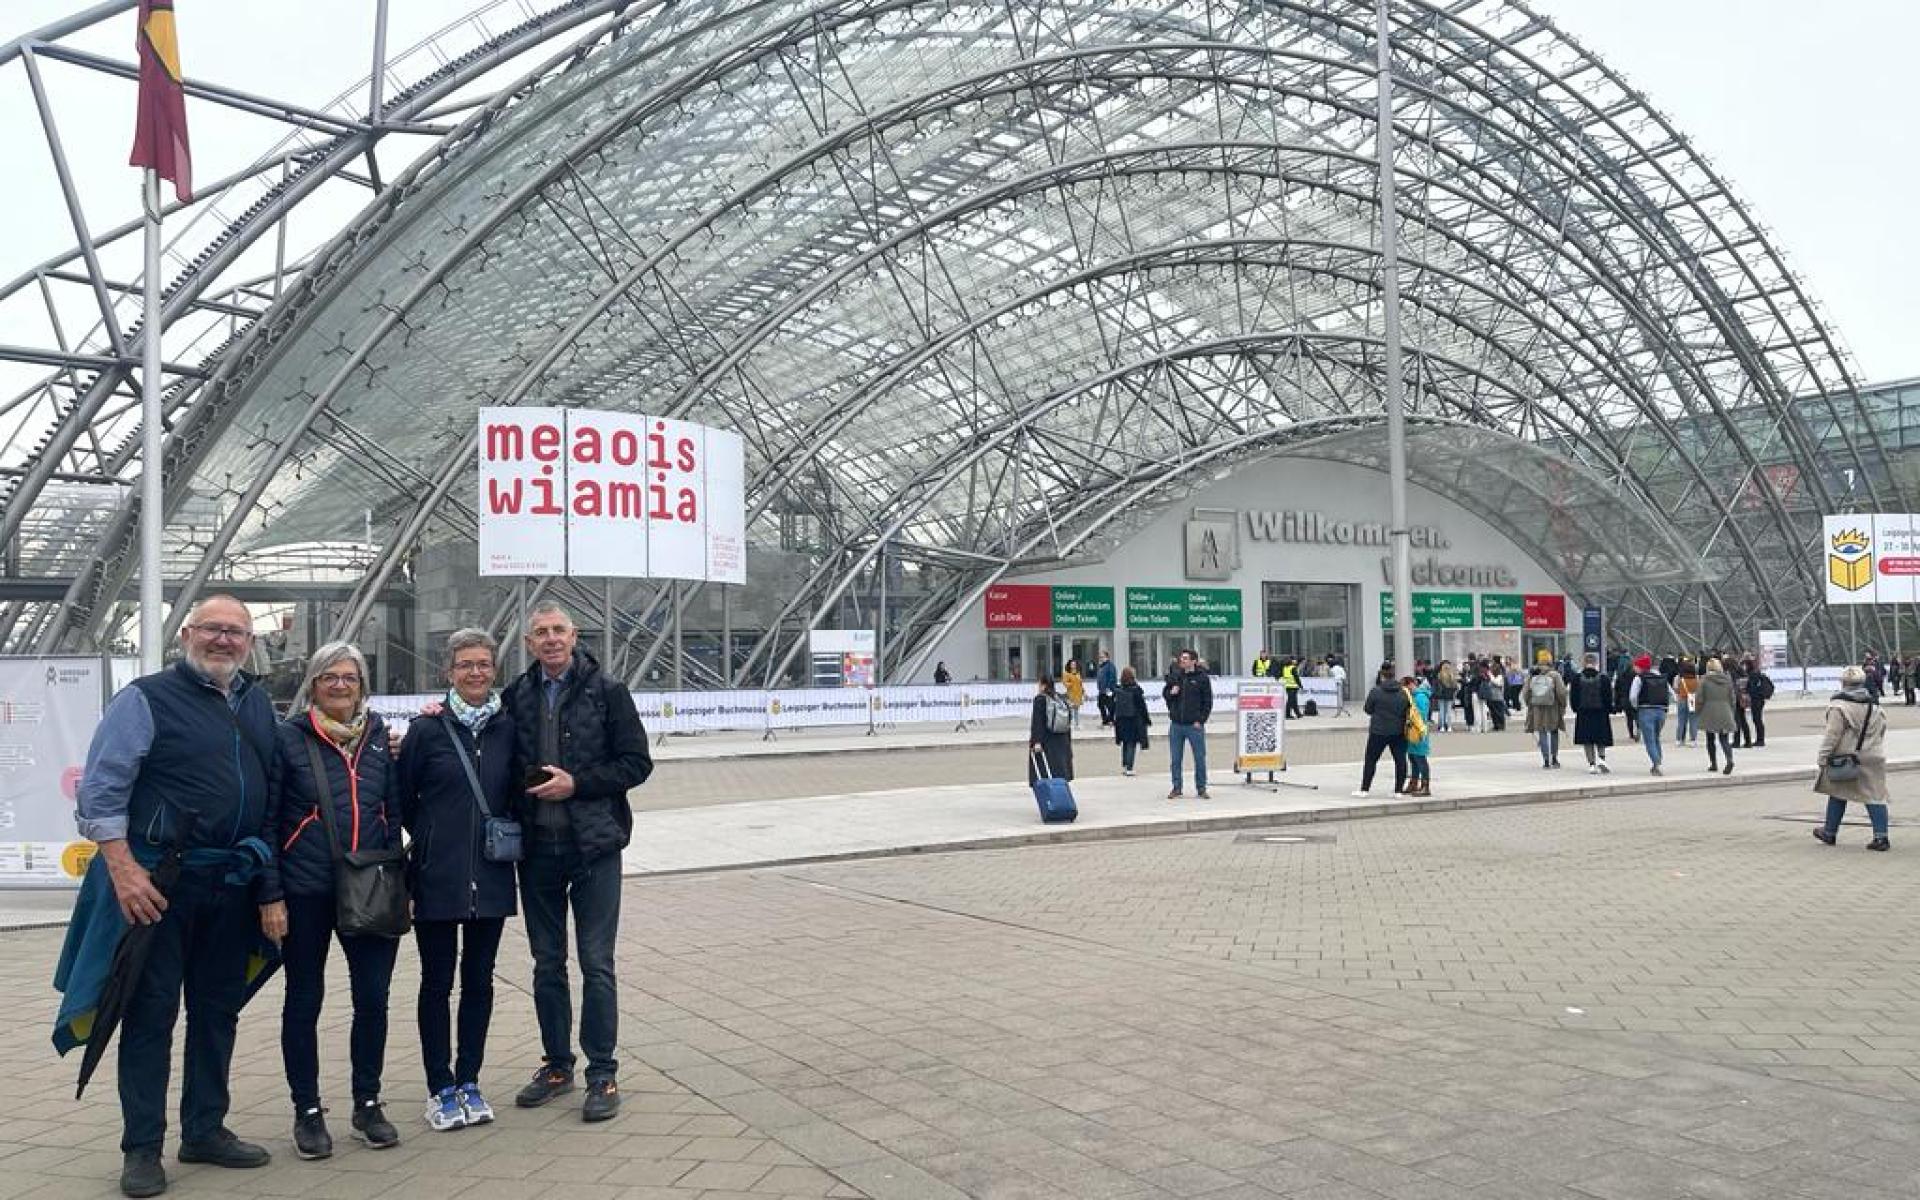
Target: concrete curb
x,y
1307,816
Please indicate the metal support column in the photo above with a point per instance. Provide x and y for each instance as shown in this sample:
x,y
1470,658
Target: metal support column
x,y
606,624
1401,536
151,484
726,636
880,625
679,644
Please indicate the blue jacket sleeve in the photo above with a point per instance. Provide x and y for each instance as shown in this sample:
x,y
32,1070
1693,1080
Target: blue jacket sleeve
x,y
113,763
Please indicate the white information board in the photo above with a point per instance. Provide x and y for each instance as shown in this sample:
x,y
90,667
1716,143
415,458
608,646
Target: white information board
x,y
1260,727
49,708
586,492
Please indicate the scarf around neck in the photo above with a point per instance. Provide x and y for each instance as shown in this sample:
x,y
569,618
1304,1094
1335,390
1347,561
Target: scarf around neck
x,y
473,716
344,735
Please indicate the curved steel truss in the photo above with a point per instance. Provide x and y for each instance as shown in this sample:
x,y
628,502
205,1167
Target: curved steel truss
x,y
983,284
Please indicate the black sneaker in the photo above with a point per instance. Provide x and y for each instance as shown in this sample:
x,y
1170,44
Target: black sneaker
x,y
371,1126
225,1150
546,1083
310,1137
1823,835
1879,843
141,1174
603,1101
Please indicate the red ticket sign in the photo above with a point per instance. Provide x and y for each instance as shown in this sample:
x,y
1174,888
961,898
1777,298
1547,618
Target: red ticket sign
x,y
1890,565
1545,612
1020,606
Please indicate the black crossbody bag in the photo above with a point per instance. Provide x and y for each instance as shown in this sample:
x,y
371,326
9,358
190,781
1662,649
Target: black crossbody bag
x,y
369,886
1845,768
501,840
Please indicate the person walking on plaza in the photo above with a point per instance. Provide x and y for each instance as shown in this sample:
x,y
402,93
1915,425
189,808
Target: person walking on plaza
x,y
338,795
1446,686
1515,679
1075,688
459,771
1759,691
1855,726
1592,699
1742,728
1130,719
1290,680
1386,707
1686,705
1469,688
1337,671
1419,770
1106,680
1715,718
585,748
1188,695
1622,691
200,729
1049,732
1493,701
1546,696
1649,697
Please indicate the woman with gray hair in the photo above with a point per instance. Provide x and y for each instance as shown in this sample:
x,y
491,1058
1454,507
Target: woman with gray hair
x,y
460,779
336,796
1853,758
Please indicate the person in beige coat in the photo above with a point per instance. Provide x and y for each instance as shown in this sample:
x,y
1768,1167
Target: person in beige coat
x,y
1855,725
1713,709
1546,696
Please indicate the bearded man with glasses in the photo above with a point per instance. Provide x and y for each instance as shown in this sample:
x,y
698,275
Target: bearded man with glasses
x,y
184,757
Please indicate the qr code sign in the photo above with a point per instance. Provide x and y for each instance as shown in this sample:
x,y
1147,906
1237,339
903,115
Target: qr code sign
x,y
1263,732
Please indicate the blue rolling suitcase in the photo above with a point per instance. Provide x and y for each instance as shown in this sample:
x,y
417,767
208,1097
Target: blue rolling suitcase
x,y
1053,795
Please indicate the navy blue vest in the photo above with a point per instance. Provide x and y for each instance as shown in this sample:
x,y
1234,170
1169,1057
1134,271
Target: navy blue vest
x,y
207,759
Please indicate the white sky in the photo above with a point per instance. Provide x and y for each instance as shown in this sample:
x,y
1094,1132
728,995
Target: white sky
x,y
1808,108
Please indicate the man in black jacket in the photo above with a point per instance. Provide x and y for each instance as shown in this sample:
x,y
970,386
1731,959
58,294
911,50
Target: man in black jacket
x,y
582,731
1189,696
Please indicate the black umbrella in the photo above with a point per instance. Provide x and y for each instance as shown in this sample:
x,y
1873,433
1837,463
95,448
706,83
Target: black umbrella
x,y
123,975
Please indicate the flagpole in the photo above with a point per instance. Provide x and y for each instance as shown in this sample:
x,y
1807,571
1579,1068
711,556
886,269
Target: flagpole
x,y
151,489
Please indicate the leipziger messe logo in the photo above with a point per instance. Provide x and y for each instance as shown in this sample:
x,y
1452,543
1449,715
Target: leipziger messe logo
x,y
1850,560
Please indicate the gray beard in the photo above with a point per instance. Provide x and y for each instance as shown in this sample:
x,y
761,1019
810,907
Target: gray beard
x,y
221,673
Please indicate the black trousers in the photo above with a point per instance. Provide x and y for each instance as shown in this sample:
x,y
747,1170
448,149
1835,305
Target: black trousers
x,y
1742,732
1293,704
1104,701
310,937
201,945
440,949
1397,746
1759,722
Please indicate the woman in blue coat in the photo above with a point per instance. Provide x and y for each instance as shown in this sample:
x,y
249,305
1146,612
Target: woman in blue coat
x,y
461,899
347,745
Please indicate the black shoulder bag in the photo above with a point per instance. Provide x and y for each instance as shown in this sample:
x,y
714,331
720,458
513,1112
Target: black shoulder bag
x,y
369,886
1845,768
501,840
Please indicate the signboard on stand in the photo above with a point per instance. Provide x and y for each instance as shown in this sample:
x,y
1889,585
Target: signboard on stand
x,y
841,657
1772,647
1260,728
48,710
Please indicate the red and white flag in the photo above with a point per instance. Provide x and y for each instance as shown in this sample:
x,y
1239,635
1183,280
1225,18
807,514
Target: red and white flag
x,y
160,133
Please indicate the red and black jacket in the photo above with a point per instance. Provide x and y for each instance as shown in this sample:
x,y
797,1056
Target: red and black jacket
x,y
362,791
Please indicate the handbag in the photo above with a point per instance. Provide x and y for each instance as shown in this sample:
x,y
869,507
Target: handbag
x,y
369,886
1415,728
501,838
1845,768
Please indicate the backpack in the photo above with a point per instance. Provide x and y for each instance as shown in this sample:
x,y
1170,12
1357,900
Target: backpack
x,y
1415,728
1766,687
1540,690
1653,691
1059,716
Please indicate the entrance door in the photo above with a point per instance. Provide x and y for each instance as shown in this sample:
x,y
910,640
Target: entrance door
x,y
1536,642
1426,648
1220,650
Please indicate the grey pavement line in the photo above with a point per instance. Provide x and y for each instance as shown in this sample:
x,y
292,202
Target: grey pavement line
x,y
1179,826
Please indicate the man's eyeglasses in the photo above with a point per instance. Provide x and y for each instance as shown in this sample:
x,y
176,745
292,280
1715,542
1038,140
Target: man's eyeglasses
x,y
332,679
217,633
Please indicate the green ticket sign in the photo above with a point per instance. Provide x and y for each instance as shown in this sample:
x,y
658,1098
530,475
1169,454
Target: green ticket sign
x,y
1082,607
1433,610
1183,608
1502,612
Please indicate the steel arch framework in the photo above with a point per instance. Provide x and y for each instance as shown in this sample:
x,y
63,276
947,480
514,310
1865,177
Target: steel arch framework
x,y
962,273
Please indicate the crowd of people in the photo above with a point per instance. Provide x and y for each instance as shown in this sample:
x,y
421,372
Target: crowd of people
x,y
290,831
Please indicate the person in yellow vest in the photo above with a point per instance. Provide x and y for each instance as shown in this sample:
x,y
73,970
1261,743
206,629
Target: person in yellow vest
x,y
1263,665
1290,680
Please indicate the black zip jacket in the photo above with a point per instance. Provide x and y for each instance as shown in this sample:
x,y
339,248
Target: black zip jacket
x,y
447,876
603,745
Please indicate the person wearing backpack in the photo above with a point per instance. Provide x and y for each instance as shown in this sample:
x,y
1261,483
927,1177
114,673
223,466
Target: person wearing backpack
x,y
1419,770
1650,697
1130,719
1759,691
1188,694
1546,697
1050,732
1592,700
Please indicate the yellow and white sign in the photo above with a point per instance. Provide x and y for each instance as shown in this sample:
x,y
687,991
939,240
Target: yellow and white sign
x,y
1871,558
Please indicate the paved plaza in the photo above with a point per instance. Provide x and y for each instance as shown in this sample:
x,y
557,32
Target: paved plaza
x,y
1630,996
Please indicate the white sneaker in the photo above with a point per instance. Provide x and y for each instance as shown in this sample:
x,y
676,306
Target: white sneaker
x,y
1604,768
1362,794
1128,772
1593,770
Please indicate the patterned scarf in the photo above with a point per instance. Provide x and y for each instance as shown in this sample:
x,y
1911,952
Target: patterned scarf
x,y
346,736
473,716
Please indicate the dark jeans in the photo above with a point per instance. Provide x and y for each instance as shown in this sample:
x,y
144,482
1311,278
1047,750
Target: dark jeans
x,y
439,948
310,937
1837,809
1376,742
201,945
1725,741
1742,732
1417,766
1293,704
552,877
1759,723
1104,702
1127,751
